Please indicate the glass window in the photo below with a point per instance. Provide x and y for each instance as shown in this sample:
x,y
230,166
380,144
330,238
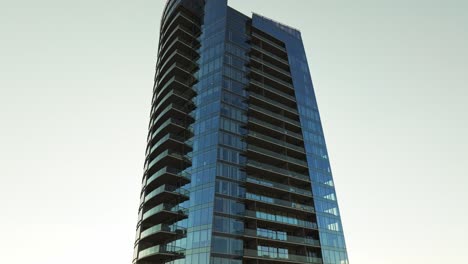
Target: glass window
x,y
227,245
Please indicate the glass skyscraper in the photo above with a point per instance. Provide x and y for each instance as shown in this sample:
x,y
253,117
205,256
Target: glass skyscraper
x,y
236,167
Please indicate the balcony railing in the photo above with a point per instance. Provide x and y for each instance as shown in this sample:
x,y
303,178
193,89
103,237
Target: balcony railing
x,y
276,201
179,80
280,219
274,169
165,124
273,78
275,115
164,41
166,188
277,155
276,68
166,153
277,58
168,170
167,34
281,258
286,238
273,90
177,41
189,67
271,43
163,228
279,186
175,65
273,102
165,26
161,249
165,207
166,138
276,141
170,107
275,128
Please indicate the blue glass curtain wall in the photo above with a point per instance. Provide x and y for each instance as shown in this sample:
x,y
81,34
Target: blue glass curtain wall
x,y
328,217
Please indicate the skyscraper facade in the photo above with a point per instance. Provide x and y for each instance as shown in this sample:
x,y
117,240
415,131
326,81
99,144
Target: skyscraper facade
x,y
236,167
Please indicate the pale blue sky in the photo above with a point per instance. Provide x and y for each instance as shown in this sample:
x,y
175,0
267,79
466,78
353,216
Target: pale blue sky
x,y
75,90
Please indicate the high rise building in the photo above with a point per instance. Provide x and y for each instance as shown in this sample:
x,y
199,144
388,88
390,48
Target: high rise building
x,y
236,167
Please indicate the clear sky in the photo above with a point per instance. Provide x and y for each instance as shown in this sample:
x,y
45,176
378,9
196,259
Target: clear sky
x,y
75,90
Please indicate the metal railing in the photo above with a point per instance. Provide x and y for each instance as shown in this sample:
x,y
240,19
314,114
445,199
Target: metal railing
x,y
263,39
164,154
287,238
274,169
279,186
275,115
167,170
165,138
271,77
166,188
274,67
276,155
273,90
162,228
282,257
275,128
165,124
276,201
161,249
263,51
276,141
165,207
273,102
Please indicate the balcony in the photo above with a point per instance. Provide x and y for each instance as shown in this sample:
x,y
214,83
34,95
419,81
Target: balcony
x,y
277,142
274,128
165,193
179,31
277,156
169,141
278,258
170,8
183,99
190,29
263,184
269,42
282,240
176,69
179,18
280,204
274,115
273,90
175,83
169,158
164,212
280,220
162,232
167,175
171,111
160,254
272,78
259,51
179,43
185,61
273,103
275,68
171,125
274,170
